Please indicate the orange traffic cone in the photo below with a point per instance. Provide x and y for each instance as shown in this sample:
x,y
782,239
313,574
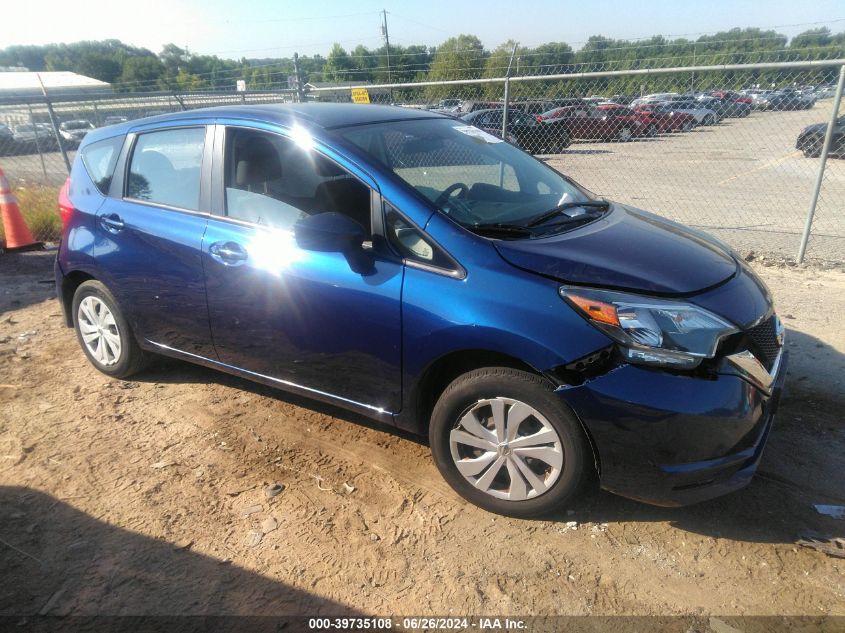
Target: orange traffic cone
x,y
17,234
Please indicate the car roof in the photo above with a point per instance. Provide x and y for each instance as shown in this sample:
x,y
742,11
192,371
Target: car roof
x,y
320,115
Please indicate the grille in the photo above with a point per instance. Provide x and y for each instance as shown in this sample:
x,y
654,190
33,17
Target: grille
x,y
764,341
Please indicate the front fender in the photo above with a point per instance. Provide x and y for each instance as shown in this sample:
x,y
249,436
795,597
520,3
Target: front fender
x,y
497,309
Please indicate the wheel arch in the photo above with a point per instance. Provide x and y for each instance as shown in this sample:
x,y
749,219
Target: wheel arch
x,y
424,391
436,376
70,282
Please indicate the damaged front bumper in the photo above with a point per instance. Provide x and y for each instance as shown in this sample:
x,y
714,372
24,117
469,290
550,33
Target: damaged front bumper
x,y
673,439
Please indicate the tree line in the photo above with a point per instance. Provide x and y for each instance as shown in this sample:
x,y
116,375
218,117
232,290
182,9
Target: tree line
x,y
133,69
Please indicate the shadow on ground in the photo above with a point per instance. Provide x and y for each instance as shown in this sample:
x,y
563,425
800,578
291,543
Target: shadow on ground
x,y
58,561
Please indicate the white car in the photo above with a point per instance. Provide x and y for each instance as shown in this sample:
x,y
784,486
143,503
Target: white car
x,y
702,115
825,92
657,97
448,105
74,131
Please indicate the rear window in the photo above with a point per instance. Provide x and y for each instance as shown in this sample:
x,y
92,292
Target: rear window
x,y
99,160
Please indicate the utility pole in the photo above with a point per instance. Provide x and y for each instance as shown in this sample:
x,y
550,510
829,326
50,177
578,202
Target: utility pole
x,y
386,40
299,92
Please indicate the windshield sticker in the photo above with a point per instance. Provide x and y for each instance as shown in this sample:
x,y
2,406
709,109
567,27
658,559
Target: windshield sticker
x,y
474,132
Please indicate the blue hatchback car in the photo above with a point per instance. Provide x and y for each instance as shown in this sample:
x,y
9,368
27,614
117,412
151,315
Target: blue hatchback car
x,y
414,268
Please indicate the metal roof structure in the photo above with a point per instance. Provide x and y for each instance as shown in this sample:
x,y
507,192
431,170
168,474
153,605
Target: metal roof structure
x,y
56,83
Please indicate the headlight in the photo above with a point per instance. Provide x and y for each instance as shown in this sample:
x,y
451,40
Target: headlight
x,y
651,331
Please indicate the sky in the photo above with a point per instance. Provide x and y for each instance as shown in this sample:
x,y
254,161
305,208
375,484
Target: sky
x,y
277,28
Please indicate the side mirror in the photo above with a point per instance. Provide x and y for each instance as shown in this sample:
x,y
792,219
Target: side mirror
x,y
329,232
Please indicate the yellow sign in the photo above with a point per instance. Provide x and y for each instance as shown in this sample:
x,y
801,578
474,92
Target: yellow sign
x,y
360,95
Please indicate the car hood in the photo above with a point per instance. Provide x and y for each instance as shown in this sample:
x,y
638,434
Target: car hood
x,y
821,128
627,249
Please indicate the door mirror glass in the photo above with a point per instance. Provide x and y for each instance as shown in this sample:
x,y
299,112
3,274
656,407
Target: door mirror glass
x,y
329,232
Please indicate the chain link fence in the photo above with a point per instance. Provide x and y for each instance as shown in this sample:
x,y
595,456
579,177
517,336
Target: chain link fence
x,y
736,150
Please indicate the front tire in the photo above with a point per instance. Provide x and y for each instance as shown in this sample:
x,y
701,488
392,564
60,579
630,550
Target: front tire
x,y
708,120
503,440
103,332
813,148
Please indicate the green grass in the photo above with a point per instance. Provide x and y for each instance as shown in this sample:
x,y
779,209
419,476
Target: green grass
x,y
40,210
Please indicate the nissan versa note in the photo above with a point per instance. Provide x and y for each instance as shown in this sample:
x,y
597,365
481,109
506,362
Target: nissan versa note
x,y
405,265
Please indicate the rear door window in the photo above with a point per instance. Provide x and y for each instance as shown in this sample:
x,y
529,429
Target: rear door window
x,y
100,159
165,167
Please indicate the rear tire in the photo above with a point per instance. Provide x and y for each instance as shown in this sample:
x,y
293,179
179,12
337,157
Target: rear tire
x,y
486,440
103,332
562,143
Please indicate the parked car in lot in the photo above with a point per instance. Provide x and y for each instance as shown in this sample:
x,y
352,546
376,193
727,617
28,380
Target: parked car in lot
x,y
758,98
656,97
700,112
448,105
726,103
811,139
789,99
114,119
824,92
589,123
30,137
74,131
533,136
535,107
642,120
666,118
474,106
416,270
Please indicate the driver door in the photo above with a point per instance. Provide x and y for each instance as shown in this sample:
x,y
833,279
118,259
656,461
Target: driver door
x,y
302,318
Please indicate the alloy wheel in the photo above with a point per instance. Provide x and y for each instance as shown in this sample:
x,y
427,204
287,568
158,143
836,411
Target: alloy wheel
x,y
99,330
506,449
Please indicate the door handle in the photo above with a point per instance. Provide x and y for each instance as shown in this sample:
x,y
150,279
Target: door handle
x,y
112,223
228,253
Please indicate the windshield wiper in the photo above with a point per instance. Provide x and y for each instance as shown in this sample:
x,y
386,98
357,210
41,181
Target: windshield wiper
x,y
497,228
558,210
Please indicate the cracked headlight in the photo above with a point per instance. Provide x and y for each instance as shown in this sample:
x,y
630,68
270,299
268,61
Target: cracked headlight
x,y
651,331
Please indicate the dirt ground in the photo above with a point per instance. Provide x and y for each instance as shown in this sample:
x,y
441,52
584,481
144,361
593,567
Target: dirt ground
x,y
147,497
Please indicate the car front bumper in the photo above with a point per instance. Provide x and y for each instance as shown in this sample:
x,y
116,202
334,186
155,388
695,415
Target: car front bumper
x,y
671,439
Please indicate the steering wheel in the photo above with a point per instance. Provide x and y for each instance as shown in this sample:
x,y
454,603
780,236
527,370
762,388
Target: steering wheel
x,y
443,197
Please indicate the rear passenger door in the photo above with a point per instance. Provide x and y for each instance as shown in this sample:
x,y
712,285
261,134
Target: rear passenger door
x,y
313,321
149,233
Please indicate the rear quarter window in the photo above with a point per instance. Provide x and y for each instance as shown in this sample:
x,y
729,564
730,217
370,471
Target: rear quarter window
x,y
100,159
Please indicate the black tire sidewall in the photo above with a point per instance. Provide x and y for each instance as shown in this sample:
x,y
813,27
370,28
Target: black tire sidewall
x,y
129,351
533,390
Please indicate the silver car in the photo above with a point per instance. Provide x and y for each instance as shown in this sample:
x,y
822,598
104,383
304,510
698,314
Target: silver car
x,y
702,115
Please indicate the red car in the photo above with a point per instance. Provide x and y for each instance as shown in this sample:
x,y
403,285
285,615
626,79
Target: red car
x,y
585,122
730,95
664,118
646,125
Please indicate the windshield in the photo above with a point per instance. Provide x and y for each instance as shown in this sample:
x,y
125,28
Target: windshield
x,y
472,176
